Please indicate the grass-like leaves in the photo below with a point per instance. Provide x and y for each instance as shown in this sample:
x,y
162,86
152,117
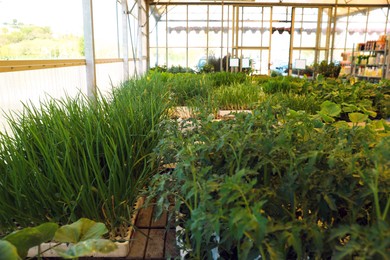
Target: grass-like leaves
x,y
81,157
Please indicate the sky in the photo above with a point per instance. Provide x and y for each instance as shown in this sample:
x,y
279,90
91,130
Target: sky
x,y
63,16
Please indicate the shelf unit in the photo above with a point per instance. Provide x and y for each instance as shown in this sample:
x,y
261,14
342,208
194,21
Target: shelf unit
x,y
370,61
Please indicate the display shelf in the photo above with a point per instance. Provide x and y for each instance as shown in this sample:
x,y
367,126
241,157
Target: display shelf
x,y
370,60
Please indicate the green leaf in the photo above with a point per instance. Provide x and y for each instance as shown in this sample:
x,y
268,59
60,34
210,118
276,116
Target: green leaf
x,y
370,113
349,108
294,239
85,248
341,124
81,230
357,117
326,118
8,251
377,124
244,248
330,202
29,237
292,113
330,108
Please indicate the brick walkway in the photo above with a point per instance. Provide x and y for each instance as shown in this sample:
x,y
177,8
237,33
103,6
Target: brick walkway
x,y
152,240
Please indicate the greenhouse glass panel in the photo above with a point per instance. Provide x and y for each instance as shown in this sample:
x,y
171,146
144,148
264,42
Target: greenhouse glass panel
x,y
197,37
305,33
215,34
197,26
311,2
158,26
266,27
157,57
197,57
342,25
177,26
337,55
106,29
280,46
376,23
216,53
177,39
307,55
215,26
264,62
357,23
322,56
177,57
324,26
251,25
259,60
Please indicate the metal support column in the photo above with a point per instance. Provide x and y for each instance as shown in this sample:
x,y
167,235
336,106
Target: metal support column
x,y
140,38
89,48
237,22
318,35
222,32
207,31
334,30
166,37
187,33
292,29
366,27
346,31
328,31
270,41
125,40
147,11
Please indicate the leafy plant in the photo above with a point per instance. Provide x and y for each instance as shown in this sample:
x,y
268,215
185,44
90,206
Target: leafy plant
x,y
237,96
74,158
285,85
327,69
84,236
277,183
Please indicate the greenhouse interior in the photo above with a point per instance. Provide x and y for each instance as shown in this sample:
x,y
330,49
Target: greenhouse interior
x,y
200,129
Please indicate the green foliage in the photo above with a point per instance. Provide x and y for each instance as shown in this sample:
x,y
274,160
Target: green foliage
x,y
307,103
275,73
365,242
81,230
27,32
85,248
82,157
285,85
382,98
237,90
189,88
327,69
180,69
84,236
237,96
226,78
291,180
29,237
162,68
172,69
207,68
278,184
8,251
357,117
27,41
212,64
329,110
